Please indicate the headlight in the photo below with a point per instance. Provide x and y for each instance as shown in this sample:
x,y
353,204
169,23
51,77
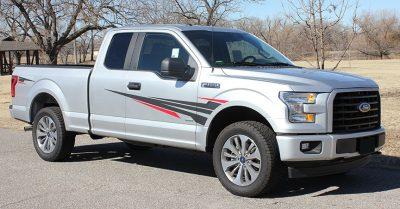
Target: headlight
x,y
295,102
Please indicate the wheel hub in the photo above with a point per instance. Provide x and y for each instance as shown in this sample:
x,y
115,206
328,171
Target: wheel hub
x,y
46,134
241,160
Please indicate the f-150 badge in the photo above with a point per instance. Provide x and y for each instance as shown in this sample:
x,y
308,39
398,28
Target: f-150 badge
x,y
211,85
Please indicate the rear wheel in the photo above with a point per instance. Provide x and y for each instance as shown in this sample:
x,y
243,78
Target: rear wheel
x,y
50,139
246,159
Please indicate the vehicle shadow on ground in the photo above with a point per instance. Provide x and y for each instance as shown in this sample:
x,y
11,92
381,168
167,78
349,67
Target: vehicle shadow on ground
x,y
374,177
180,160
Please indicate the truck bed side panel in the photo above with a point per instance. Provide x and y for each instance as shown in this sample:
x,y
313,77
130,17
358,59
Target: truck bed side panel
x,y
67,85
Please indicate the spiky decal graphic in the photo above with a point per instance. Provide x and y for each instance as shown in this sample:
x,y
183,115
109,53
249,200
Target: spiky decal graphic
x,y
22,79
173,107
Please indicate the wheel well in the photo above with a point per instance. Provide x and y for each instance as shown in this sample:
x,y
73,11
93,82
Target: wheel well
x,y
41,101
228,116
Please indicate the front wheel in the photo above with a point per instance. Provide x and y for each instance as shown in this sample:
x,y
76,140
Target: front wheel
x,y
246,159
50,139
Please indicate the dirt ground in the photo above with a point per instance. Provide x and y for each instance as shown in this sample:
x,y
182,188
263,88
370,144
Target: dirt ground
x,y
385,72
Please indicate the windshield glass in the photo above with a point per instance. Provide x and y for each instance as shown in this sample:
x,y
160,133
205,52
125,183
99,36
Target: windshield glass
x,y
222,49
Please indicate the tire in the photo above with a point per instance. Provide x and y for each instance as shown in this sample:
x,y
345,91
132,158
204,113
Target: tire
x,y
137,147
271,171
59,142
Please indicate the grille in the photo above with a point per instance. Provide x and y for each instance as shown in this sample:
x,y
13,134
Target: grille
x,y
347,118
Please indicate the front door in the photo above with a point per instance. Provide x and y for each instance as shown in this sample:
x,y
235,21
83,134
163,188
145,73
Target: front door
x,y
160,110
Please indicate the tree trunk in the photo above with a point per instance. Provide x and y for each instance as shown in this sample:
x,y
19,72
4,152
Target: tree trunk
x,y
92,46
53,56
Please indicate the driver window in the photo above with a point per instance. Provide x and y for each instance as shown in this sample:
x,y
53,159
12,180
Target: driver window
x,y
156,47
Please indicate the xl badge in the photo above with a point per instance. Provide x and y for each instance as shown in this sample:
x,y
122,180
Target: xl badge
x,y
364,107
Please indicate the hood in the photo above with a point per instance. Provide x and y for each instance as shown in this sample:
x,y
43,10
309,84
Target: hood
x,y
301,79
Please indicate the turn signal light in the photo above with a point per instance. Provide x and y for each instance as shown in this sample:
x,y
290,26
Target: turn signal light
x,y
310,118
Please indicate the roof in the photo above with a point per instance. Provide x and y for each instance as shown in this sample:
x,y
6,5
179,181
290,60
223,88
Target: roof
x,y
17,46
180,27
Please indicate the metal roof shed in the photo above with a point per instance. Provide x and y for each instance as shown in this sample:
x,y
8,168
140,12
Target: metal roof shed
x,y
15,49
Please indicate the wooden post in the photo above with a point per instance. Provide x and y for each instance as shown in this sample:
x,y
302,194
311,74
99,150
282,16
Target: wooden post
x,y
1,63
36,56
10,62
27,57
33,58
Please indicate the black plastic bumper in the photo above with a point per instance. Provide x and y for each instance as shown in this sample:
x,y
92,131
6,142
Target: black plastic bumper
x,y
323,168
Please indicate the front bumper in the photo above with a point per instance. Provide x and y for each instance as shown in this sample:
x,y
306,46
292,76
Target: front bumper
x,y
334,146
323,168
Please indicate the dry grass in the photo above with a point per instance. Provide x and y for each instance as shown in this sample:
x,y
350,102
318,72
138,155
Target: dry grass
x,y
385,72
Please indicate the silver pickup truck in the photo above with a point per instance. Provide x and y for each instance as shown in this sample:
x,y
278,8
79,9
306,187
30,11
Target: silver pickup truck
x,y
210,89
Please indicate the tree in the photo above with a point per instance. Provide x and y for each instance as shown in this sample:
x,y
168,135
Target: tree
x,y
207,12
53,24
153,12
379,33
317,18
279,32
9,27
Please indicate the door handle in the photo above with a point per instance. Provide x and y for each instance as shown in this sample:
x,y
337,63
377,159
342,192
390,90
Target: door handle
x,y
134,86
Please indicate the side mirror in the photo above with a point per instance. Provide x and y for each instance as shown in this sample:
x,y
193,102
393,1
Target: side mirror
x,y
175,67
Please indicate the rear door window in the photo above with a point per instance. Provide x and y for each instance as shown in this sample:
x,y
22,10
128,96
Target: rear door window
x,y
117,51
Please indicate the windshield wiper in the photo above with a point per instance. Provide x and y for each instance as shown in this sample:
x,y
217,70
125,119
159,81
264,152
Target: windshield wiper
x,y
279,64
247,64
263,64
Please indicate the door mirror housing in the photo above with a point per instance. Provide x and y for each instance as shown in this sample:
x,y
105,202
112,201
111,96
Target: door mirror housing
x,y
176,67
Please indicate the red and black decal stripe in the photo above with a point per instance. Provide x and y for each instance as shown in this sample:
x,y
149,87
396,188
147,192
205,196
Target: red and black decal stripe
x,y
22,79
172,107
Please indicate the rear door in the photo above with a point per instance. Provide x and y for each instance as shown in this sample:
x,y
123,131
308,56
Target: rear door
x,y
107,107
159,109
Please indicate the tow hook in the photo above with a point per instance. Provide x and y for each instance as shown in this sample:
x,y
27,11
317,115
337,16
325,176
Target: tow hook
x,y
28,128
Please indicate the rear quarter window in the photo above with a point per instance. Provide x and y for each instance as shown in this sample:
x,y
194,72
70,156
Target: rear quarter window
x,y
117,50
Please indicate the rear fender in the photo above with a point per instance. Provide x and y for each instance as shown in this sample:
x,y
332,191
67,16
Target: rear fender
x,y
51,88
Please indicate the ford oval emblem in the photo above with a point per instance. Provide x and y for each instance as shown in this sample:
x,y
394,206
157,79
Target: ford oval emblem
x,y
364,107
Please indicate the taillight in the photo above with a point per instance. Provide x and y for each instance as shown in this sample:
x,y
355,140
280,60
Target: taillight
x,y
14,81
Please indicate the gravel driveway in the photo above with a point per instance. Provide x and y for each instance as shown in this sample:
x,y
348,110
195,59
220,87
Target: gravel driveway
x,y
105,174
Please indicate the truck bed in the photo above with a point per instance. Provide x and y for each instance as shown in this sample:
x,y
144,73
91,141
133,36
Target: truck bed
x,y
73,66
66,83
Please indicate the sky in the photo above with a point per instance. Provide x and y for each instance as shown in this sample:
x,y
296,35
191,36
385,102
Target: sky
x,y
274,7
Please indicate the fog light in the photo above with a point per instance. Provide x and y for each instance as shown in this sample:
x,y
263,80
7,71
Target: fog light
x,y
311,147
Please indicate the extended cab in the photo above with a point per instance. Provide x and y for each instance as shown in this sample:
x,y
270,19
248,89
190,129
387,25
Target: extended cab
x,y
211,89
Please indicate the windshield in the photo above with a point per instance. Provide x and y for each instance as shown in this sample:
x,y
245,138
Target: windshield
x,y
222,49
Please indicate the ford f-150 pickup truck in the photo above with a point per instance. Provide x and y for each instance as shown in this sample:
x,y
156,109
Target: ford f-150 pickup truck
x,y
210,89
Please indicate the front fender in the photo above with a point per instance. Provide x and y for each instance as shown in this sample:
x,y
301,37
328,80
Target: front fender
x,y
250,99
265,105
